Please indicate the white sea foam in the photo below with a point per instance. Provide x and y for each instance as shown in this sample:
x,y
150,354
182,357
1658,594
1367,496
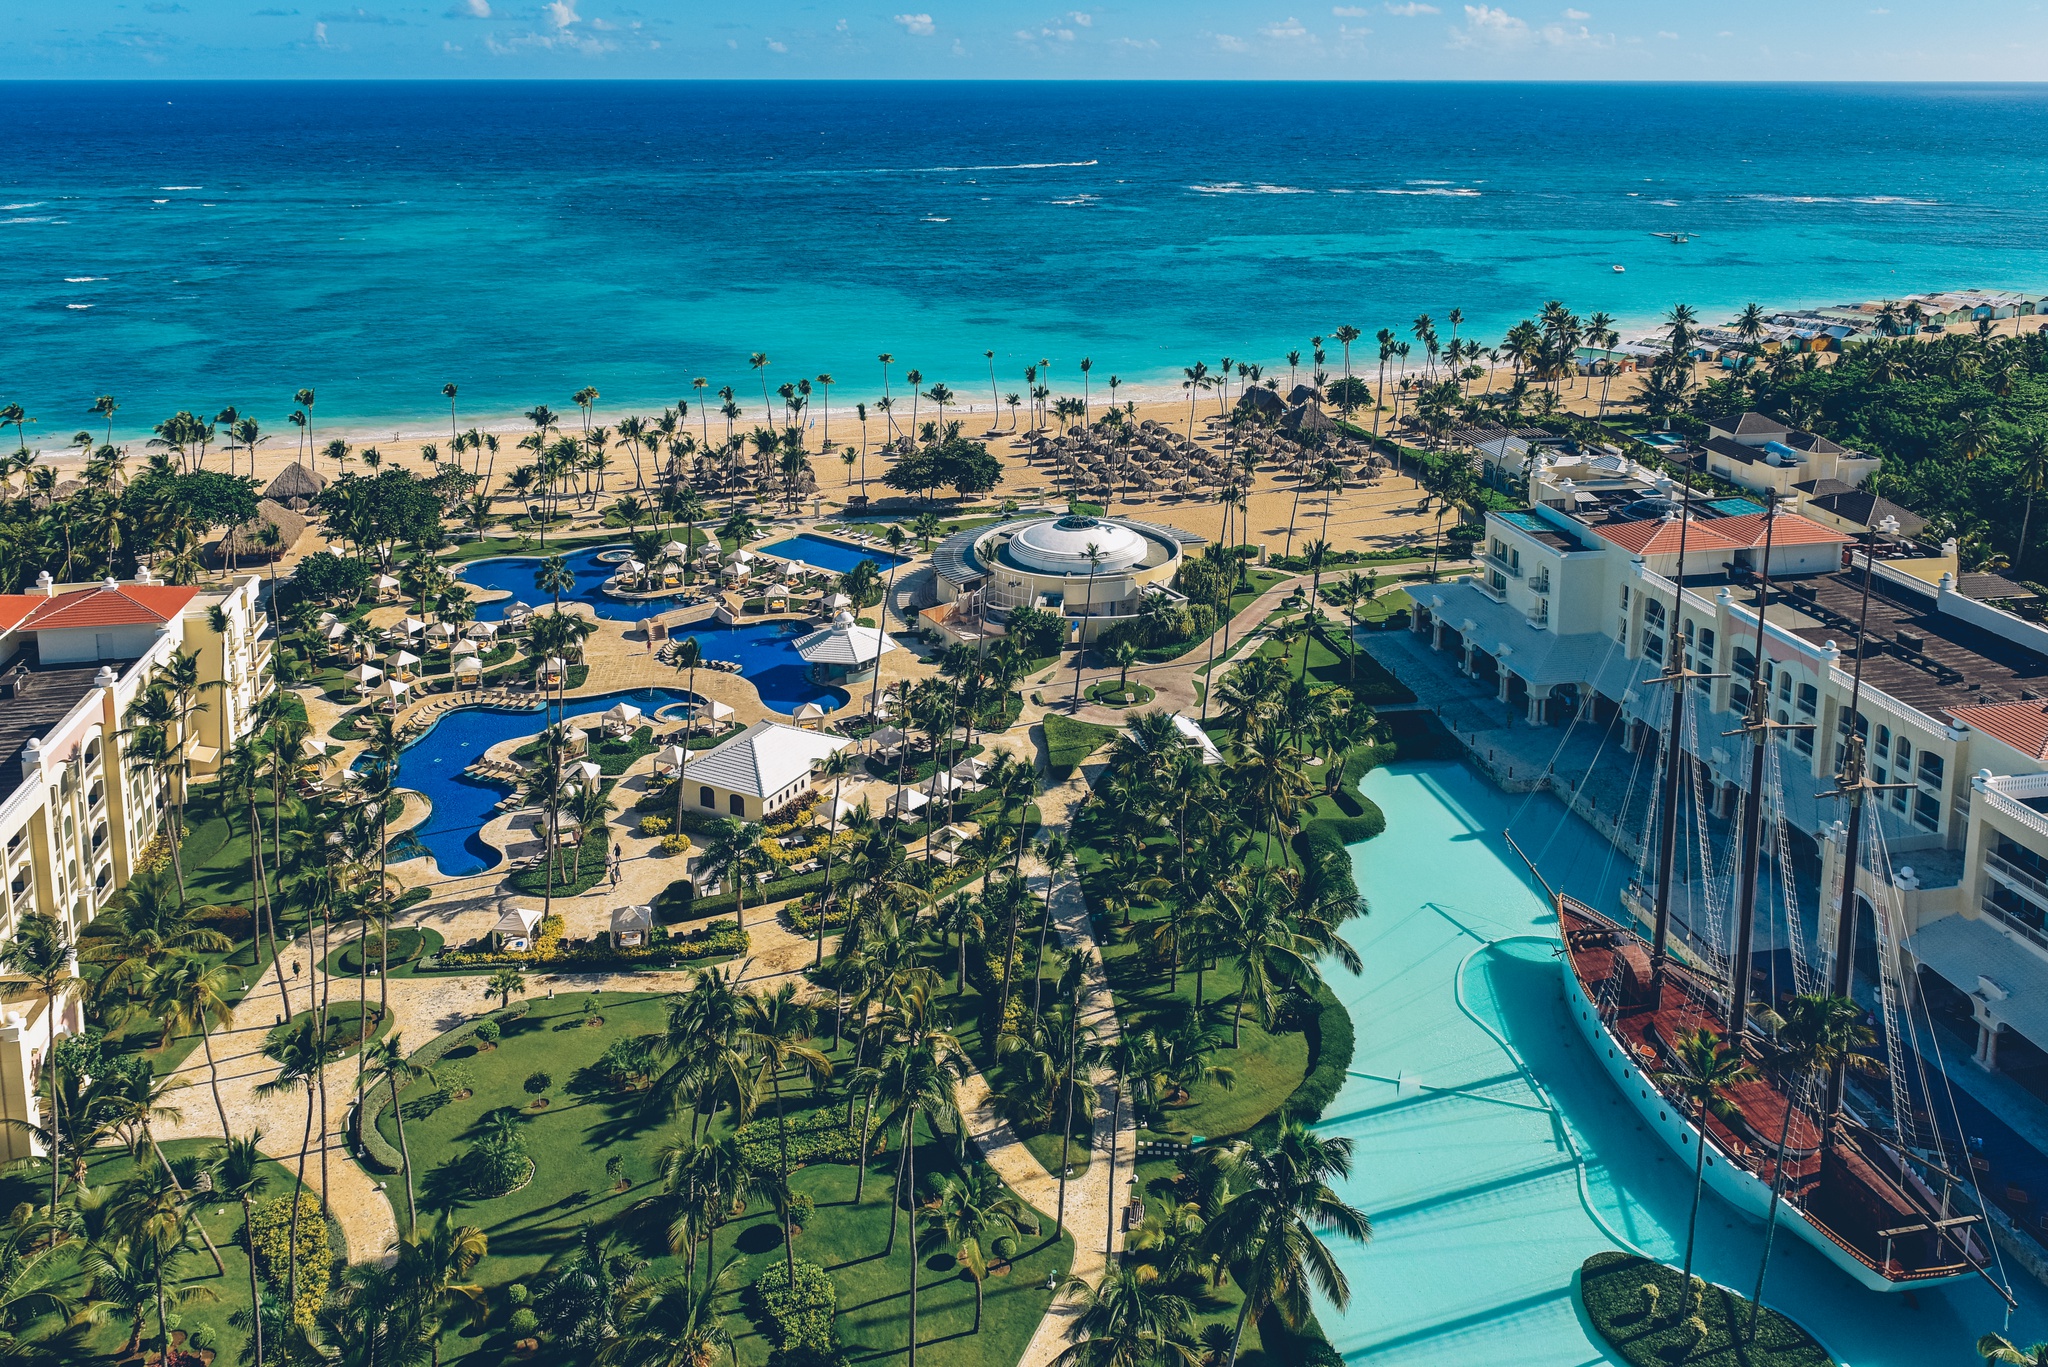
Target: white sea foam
x,y
1667,203
159,201
1437,190
1005,166
32,204
78,306
82,279
1238,187
1429,182
44,219
1897,199
928,218
1076,199
181,187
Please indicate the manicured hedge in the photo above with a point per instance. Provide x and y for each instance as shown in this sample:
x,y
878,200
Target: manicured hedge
x,y
796,1315
818,1136
270,1245
1331,1041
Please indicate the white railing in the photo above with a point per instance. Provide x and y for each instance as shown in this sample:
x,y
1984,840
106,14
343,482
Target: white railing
x,y
2005,794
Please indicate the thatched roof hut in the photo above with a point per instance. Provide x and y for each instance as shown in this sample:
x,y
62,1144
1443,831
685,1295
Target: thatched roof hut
x,y
241,544
295,481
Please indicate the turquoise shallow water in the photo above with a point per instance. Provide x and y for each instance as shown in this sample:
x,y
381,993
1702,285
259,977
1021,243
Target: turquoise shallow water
x,y
1475,1198
193,244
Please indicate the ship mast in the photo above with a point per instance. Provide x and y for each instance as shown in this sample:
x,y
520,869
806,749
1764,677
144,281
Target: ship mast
x,y
1853,783
1677,675
1758,727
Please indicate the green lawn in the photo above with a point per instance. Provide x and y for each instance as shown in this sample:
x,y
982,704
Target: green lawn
x,y
1354,669
512,545
587,1122
1068,742
215,1297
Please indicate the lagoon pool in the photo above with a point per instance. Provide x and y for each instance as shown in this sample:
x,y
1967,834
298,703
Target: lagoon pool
x,y
514,574
828,554
1474,1194
433,766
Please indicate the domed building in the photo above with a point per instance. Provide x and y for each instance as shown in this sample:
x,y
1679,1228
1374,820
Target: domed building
x,y
1094,571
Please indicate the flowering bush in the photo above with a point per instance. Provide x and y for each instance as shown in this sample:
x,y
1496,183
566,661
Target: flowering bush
x,y
270,1237
655,825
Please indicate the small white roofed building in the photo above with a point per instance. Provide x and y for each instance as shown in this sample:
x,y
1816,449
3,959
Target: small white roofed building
x,y
631,926
515,929
759,771
844,652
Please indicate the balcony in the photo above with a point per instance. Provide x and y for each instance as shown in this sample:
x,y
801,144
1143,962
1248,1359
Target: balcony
x,y
2034,937
2019,878
1540,581
2014,796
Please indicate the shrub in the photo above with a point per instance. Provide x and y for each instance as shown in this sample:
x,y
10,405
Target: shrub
x,y
270,1237
517,1295
486,1032
655,825
800,1208
817,1136
675,843
796,1314
524,1323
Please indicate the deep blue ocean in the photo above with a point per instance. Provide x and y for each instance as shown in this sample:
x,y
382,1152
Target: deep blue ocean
x,y
200,244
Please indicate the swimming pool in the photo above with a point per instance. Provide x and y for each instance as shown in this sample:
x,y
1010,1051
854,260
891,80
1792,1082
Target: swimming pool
x,y
434,764
514,574
1476,1200
827,554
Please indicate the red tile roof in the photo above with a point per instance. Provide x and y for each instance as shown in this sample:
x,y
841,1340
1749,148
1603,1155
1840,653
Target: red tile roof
x,y
1657,536
15,606
2022,725
126,605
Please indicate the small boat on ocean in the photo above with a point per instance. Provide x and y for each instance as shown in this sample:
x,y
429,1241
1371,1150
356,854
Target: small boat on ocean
x,y
1620,269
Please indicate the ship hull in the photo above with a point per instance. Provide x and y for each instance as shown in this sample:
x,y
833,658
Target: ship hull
x,y
1733,1183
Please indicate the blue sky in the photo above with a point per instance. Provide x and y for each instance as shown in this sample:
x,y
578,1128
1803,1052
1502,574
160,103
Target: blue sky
x,y
2000,40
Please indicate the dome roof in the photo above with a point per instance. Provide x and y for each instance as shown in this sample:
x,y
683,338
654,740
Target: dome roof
x,y
1060,545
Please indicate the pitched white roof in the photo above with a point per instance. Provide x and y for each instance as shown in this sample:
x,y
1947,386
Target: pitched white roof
x,y
844,643
764,759
632,918
517,921
1197,737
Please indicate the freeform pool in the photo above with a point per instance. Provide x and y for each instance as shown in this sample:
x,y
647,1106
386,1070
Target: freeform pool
x,y
1472,1101
827,554
433,765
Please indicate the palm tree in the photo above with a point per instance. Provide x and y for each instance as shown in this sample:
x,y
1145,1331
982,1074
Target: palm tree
x,y
1279,1199
503,984
975,1209
387,1063
836,766
190,996
1998,1348
238,1172
733,853
301,1053
671,1322
1708,1066
1130,1319
41,951
1818,1033
775,1030
433,1272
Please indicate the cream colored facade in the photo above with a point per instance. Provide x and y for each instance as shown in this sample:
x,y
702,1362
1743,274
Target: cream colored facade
x,y
80,815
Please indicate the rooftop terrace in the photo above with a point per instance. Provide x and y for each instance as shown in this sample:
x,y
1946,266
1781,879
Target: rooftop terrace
x,y
32,700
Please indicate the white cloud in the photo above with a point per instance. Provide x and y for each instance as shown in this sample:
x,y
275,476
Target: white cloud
x,y
1230,44
1289,29
959,48
1575,15
916,23
480,8
840,27
320,34
1491,26
1667,34
774,46
1410,10
451,47
562,13
1139,44
1082,20
1349,11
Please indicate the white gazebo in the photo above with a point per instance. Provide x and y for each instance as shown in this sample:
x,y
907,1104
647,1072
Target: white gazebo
x,y
907,802
632,926
844,652
441,632
403,661
675,550
413,626
834,601
670,759
552,668
621,719
809,714
515,929
462,648
583,771
363,676
391,690
469,666
481,631
385,584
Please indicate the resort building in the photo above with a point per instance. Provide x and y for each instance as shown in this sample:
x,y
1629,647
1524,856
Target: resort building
x,y
1769,456
758,772
1573,612
76,811
1093,571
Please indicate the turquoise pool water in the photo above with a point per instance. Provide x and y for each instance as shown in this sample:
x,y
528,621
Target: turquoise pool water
x,y
1476,1200
827,554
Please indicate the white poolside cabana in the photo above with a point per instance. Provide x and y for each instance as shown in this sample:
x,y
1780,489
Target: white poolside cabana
x,y
631,926
441,633
337,631
809,714
391,691
481,631
462,648
413,626
386,584
906,803
621,719
468,666
515,929
583,771
670,759
675,550
403,661
553,669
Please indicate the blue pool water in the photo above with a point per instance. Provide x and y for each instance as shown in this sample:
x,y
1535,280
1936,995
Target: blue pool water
x,y
828,554
514,574
764,650
433,765
1476,1203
